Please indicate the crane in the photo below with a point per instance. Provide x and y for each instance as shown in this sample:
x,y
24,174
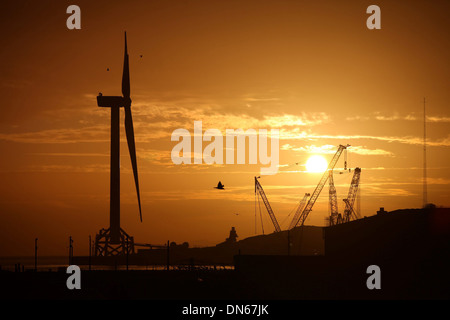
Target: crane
x,y
334,215
350,201
320,185
259,188
299,210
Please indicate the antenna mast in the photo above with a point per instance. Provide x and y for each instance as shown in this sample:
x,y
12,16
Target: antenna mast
x,y
425,201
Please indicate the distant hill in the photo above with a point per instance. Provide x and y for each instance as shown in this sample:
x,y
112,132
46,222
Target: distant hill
x,y
307,240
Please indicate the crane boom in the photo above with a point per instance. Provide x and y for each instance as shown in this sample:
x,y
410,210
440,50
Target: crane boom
x,y
260,189
350,201
333,200
299,211
320,185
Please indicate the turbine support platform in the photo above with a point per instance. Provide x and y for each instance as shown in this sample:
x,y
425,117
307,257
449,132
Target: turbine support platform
x,y
105,246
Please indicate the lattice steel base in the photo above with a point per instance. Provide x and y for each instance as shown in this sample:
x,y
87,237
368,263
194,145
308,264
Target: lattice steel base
x,y
105,247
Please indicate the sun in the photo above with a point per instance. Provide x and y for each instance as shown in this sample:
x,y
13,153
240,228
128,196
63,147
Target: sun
x,y
316,164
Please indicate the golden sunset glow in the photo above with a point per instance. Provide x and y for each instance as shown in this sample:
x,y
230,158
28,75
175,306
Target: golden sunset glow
x,y
316,164
310,69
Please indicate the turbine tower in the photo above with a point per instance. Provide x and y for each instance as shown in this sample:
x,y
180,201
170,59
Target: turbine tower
x,y
114,240
425,191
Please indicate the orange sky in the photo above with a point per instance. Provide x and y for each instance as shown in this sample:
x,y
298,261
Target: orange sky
x,y
309,68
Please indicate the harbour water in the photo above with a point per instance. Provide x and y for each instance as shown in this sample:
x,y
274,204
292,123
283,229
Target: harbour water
x,y
53,264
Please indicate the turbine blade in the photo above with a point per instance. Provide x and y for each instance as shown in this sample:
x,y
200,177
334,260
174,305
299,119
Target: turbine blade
x,y
132,148
126,73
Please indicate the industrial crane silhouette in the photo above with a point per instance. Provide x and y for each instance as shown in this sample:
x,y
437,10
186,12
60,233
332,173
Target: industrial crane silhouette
x,y
299,211
303,210
334,216
259,190
349,211
308,208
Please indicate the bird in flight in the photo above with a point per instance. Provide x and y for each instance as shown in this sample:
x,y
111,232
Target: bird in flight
x,y
220,186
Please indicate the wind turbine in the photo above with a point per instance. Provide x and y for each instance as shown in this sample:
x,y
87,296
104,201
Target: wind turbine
x,y
115,240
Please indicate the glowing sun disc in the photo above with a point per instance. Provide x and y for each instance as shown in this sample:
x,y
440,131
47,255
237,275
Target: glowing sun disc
x,y
316,164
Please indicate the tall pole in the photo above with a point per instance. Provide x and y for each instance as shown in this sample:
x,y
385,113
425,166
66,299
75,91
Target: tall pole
x,y
289,242
127,252
425,193
168,255
90,252
70,250
35,254
255,209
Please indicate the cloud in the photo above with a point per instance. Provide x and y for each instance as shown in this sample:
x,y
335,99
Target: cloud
x,y
441,181
182,117
357,118
438,119
410,117
387,118
183,195
92,168
396,116
261,99
365,151
69,154
289,120
156,120
331,149
384,191
147,132
98,133
15,83
296,134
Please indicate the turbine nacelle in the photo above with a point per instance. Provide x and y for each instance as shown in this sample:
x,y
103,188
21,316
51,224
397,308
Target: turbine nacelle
x,y
112,101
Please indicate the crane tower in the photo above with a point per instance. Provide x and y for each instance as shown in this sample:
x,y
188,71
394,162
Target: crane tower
x,y
350,201
334,216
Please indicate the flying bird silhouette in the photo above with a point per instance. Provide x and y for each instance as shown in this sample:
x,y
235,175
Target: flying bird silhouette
x,y
220,186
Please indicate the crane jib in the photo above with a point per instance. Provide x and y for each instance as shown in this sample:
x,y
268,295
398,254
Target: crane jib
x,y
259,188
321,184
